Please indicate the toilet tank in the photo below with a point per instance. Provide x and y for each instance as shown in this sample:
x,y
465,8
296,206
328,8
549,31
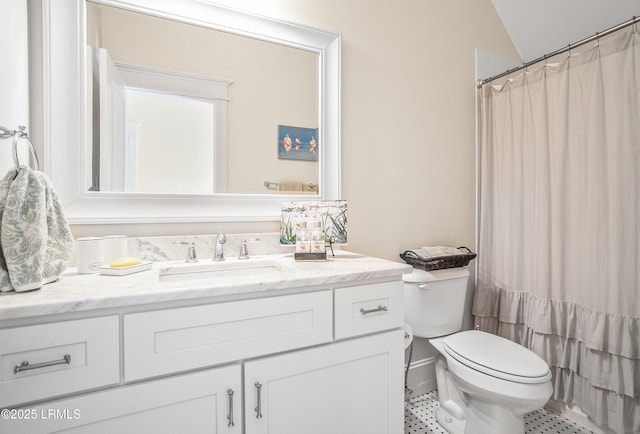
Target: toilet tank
x,y
434,301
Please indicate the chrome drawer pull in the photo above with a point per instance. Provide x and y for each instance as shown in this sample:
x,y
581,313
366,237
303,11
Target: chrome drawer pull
x,y
230,417
380,308
25,366
259,407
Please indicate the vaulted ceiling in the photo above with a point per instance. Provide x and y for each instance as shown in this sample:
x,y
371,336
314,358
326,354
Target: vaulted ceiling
x,y
538,27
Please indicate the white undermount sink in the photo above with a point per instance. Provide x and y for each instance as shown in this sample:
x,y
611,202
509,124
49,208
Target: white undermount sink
x,y
207,269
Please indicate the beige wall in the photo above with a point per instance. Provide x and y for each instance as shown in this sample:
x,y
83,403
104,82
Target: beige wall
x,y
408,117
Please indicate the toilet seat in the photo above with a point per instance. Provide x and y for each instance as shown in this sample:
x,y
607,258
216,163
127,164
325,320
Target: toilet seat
x,y
497,357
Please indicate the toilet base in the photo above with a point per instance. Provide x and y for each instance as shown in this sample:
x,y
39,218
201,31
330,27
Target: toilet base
x,y
464,413
450,424
484,417
480,418
450,414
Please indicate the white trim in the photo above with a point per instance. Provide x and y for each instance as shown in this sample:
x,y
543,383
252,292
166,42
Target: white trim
x,y
421,363
113,119
173,82
189,85
64,101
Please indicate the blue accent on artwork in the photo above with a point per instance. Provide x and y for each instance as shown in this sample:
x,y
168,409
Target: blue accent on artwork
x,y
295,143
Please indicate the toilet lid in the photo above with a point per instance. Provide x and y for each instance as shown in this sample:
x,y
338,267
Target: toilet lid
x,y
497,356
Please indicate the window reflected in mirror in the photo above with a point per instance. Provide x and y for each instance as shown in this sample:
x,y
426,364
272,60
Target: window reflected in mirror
x,y
187,168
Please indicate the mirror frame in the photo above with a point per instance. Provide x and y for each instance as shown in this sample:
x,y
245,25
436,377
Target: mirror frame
x,y
59,112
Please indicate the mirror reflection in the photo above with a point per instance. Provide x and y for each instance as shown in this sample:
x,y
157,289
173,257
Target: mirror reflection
x,y
184,109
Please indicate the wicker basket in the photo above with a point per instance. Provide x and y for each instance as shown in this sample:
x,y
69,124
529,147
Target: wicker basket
x,y
439,262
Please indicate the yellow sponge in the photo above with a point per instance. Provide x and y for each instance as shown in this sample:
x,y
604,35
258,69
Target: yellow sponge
x,y
125,262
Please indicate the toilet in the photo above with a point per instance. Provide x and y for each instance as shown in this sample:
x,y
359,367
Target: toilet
x,y
486,384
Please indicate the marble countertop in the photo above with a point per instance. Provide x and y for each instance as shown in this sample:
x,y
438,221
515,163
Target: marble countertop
x,y
74,292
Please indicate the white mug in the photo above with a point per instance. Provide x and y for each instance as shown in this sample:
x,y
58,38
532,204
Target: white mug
x,y
90,254
115,247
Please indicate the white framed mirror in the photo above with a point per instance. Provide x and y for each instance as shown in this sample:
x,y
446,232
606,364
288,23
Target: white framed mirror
x,y
64,70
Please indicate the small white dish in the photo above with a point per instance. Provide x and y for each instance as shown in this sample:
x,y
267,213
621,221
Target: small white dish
x,y
123,271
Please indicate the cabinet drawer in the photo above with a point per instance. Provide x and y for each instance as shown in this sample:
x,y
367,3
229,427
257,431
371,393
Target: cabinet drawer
x,y
46,360
205,402
173,340
368,308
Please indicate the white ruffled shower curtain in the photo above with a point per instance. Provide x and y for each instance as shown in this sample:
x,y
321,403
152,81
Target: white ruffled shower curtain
x,y
559,233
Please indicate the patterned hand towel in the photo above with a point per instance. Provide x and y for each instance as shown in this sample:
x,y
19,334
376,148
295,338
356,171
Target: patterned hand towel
x,y
35,237
5,282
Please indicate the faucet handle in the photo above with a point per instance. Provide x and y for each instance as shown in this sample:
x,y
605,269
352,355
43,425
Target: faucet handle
x,y
244,252
191,254
191,251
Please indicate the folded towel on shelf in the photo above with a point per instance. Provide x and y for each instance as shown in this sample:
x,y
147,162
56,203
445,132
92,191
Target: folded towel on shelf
x,y
290,185
310,187
35,239
434,252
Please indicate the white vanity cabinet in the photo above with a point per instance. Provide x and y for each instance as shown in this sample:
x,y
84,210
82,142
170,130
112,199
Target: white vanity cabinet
x,y
351,386
303,361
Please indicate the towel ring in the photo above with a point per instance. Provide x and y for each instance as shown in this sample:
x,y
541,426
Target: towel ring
x,y
20,133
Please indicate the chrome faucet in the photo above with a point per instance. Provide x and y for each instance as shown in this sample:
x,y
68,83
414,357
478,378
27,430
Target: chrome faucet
x,y
219,253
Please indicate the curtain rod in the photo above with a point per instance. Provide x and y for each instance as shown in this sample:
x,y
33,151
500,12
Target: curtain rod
x,y
633,20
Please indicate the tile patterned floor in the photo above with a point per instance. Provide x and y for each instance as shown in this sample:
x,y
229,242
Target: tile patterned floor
x,y
419,418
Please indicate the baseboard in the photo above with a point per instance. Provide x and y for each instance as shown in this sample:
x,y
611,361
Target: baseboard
x,y
576,414
422,377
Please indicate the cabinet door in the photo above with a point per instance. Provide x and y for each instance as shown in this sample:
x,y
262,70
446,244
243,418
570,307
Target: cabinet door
x,y
350,387
191,403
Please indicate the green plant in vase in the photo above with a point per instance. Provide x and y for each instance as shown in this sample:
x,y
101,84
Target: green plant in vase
x,y
287,231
